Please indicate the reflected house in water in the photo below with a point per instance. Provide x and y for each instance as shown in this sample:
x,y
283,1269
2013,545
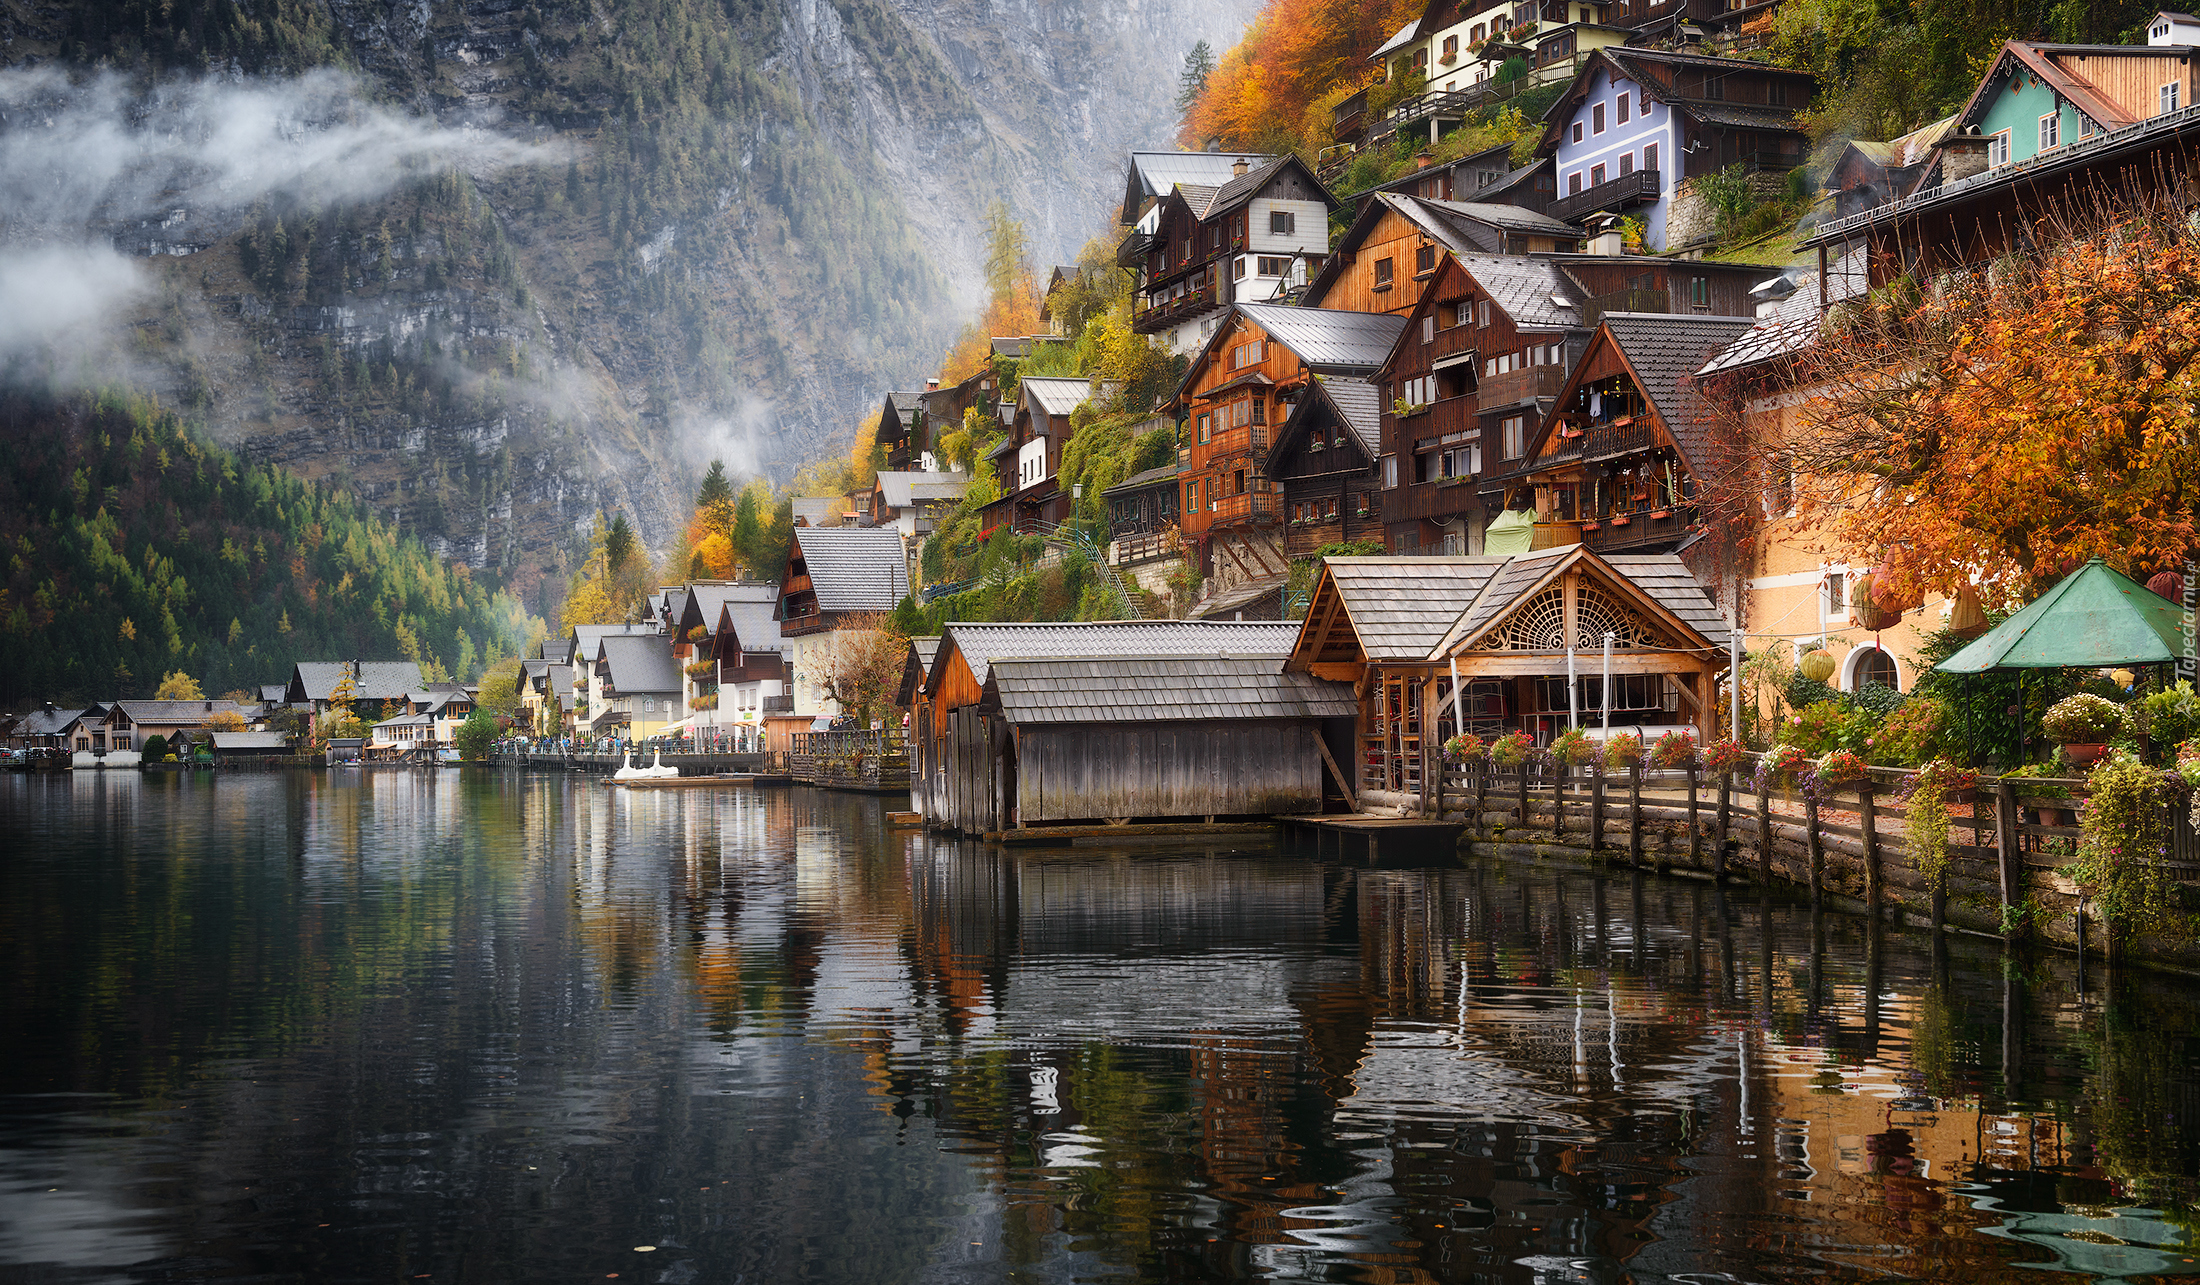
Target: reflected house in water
x,y
1507,631
1025,724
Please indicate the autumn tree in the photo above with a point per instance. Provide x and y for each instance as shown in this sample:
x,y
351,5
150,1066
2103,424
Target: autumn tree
x,y
225,720
1998,425
1293,54
179,686
1012,306
859,666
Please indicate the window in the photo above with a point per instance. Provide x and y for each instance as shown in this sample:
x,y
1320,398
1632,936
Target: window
x,y
1626,164
1390,472
1699,292
1237,268
1482,310
1238,481
2166,96
1649,156
1622,109
1248,354
1997,149
1714,87
1777,93
1451,48
1206,427
1282,222
2086,127
1514,430
1260,410
1573,183
1596,176
1428,328
1596,119
1480,30
1383,273
2050,131
1424,259
1577,131
1273,265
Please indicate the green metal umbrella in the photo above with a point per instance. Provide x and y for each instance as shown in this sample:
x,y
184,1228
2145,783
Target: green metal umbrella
x,y
2090,620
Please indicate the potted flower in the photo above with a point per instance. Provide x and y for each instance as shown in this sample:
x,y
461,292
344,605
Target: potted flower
x,y
1511,749
1676,750
1465,749
1623,751
1781,765
1573,748
2084,724
1724,755
1841,768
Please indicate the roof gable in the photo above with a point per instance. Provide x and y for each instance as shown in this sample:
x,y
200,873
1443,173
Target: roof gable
x,y
1644,601
1033,691
1354,405
853,568
979,645
1661,352
2039,59
1385,609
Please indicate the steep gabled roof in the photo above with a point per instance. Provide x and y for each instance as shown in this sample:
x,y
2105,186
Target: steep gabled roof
x,y
1404,36
2038,59
1399,607
641,663
1354,404
1660,581
587,637
377,680
1256,179
901,490
1793,325
1149,689
980,645
1327,339
854,568
40,722
180,713
755,624
1153,174
1657,74
1371,215
1665,351
1511,218
1534,290
1056,395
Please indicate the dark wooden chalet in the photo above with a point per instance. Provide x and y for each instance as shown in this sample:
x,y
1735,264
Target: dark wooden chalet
x,y
1204,247
1028,457
1616,464
1142,515
1480,360
901,429
944,408
1386,259
1027,724
1324,461
1404,631
836,572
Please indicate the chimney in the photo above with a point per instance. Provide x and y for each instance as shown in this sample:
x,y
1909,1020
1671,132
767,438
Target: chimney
x,y
1605,237
931,385
209,707
1237,170
1963,155
1423,159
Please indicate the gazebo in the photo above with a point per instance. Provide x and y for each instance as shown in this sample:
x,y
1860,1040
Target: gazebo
x,y
2092,619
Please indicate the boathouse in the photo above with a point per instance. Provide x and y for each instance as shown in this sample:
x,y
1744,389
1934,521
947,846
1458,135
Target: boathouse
x,y
1507,631
1142,720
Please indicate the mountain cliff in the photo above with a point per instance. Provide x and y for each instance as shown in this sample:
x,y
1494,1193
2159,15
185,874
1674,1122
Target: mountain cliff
x,y
717,228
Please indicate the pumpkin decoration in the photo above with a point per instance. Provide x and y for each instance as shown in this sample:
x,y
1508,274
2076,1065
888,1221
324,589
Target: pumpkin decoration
x,y
1816,665
1967,619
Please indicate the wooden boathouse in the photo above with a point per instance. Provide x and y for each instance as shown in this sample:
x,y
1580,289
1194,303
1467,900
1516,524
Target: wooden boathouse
x,y
1404,631
1123,722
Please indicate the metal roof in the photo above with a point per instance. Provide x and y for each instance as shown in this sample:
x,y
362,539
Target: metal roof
x,y
177,713
1327,339
249,741
904,489
1792,326
1155,689
1524,286
855,568
981,644
1510,217
1400,607
642,663
1157,172
1148,477
1054,394
1404,36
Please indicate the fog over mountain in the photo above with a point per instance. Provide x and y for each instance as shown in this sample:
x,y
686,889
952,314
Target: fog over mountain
x,y
496,266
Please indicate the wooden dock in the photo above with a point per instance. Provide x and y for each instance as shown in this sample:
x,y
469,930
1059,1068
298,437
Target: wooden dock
x,y
1088,836
724,781
1378,838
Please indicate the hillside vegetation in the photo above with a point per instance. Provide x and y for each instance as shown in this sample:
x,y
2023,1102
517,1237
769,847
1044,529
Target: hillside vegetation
x,y
136,546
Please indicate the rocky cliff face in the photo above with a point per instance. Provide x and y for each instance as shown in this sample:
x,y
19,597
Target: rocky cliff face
x,y
747,220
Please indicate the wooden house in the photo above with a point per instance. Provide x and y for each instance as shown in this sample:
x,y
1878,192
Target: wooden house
x,y
943,410
1463,178
901,430
1617,463
1259,361
1142,516
1027,724
1387,258
314,683
130,723
1409,632
1028,457
1199,248
1323,459
835,577
1479,361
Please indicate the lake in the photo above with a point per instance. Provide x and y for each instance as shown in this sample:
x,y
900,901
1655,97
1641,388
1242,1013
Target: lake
x,y
470,1026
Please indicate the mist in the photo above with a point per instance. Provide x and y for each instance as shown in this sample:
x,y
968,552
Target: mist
x,y
171,167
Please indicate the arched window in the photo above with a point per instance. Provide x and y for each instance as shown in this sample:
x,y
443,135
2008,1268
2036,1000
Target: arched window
x,y
1869,664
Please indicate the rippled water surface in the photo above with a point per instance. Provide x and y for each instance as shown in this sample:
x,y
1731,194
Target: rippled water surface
x,y
398,1026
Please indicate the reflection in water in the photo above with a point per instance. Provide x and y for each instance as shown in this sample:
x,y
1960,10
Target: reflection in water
x,y
379,1025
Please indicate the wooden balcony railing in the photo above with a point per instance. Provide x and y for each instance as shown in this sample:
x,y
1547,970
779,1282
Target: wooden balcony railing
x,y
1251,507
1625,192
1516,386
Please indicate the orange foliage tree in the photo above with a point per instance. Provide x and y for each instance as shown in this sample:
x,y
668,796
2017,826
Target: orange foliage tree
x,y
1012,307
2001,424
1294,52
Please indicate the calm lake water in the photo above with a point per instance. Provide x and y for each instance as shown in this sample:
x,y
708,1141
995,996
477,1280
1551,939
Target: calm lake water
x,y
459,1027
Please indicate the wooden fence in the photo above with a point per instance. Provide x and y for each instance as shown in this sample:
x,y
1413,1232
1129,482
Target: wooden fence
x,y
2008,840
877,762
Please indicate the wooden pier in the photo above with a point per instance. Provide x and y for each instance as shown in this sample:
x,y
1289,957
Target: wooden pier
x,y
1357,834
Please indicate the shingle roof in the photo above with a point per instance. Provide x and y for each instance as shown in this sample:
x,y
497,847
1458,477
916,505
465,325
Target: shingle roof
x,y
1516,177
1744,116
1525,286
1327,339
1148,477
904,489
814,507
1400,607
641,663
1521,574
1359,404
1244,187
272,693
1157,172
249,741
558,650
981,644
1665,351
41,722
855,568
1148,689
378,679
183,713
1667,579
1510,217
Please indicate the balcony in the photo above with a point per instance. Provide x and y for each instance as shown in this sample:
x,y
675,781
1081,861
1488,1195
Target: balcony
x,y
1625,192
1235,446
1517,387
1162,316
1254,508
1349,117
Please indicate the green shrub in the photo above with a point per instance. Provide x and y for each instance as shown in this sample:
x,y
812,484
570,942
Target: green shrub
x,y
1910,735
2086,719
1828,725
2168,718
2123,835
155,748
